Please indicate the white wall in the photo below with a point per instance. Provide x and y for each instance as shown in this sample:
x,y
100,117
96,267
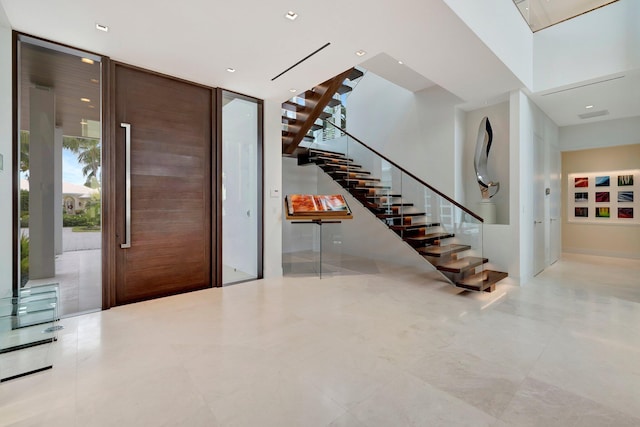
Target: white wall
x,y
498,164
599,43
6,219
272,223
415,130
501,27
602,134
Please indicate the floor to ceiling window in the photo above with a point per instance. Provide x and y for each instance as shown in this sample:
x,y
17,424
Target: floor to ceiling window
x,y
59,161
241,187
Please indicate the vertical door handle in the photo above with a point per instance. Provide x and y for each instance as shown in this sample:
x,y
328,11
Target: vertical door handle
x,y
127,184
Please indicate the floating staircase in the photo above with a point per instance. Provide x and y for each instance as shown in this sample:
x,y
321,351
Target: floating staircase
x,y
436,242
304,114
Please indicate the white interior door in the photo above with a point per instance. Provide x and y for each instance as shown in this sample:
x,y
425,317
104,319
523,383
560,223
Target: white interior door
x,y
540,208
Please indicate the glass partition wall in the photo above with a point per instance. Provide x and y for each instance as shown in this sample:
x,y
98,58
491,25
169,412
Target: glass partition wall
x,y
241,133
59,161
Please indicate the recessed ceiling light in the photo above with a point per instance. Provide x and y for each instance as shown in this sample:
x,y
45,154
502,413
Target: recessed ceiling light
x,y
85,100
361,53
92,106
291,15
231,70
102,27
95,81
400,62
83,122
87,60
292,90
588,106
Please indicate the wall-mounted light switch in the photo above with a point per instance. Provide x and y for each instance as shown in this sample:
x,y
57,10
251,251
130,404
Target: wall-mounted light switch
x,y
275,193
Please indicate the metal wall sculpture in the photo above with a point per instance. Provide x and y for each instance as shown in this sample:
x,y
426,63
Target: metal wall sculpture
x,y
483,145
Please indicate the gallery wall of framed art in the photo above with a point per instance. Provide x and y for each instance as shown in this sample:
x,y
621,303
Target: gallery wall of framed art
x,y
607,197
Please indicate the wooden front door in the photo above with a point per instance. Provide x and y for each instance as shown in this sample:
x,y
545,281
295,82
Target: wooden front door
x,y
170,215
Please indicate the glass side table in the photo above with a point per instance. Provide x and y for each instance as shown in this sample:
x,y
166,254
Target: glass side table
x,y
28,327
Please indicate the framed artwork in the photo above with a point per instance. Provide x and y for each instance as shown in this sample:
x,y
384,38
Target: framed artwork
x,y
582,181
625,196
582,197
582,212
626,213
603,197
625,180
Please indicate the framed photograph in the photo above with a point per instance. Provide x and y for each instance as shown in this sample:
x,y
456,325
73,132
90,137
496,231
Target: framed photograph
x,y
603,197
582,197
582,181
624,180
626,213
625,196
581,212
602,181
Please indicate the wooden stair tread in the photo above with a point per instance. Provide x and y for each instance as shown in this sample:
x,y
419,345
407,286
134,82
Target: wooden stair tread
x,y
359,179
461,265
429,237
344,89
399,215
344,174
414,226
389,205
355,74
442,251
372,187
483,281
381,196
334,161
324,156
325,152
292,106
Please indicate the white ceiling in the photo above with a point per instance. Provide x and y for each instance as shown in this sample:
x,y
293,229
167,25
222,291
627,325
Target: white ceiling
x,y
199,39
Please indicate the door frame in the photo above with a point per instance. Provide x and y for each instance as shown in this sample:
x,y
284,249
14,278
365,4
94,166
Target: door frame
x,y
217,179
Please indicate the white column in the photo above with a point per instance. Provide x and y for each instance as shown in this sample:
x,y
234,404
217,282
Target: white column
x,y
57,212
42,201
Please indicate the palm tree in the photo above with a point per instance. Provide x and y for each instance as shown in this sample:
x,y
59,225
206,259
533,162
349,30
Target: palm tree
x,y
90,157
87,149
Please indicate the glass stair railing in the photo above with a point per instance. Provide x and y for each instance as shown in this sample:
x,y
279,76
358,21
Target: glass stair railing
x,y
442,231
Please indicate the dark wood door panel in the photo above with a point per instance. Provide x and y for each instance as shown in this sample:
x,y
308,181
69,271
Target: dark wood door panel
x,y
171,140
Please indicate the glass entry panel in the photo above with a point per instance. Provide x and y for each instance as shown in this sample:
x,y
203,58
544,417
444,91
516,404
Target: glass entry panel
x,y
59,160
241,188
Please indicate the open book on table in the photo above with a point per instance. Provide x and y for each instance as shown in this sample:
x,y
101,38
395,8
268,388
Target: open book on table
x,y
317,205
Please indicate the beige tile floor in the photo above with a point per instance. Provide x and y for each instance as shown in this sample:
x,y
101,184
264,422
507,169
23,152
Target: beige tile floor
x,y
395,348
